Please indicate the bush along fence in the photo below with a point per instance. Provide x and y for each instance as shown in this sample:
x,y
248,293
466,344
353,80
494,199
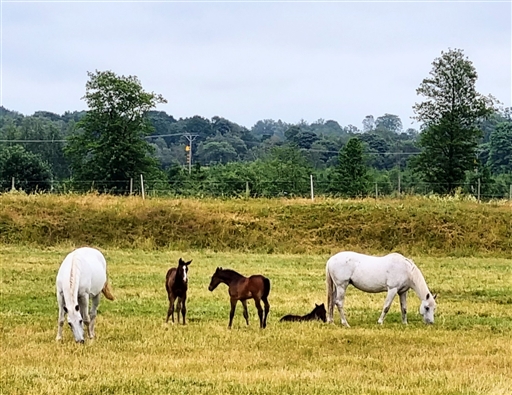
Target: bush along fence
x,y
299,187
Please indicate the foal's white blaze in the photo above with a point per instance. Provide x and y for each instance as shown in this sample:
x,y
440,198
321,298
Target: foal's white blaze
x,y
185,270
392,273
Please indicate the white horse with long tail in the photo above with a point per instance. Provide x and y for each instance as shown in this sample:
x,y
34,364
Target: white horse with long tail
x,y
393,273
82,274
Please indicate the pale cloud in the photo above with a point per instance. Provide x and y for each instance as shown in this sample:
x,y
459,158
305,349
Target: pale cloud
x,y
251,61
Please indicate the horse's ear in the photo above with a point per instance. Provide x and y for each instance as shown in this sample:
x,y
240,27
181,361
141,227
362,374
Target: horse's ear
x,y
187,263
180,262
317,305
435,296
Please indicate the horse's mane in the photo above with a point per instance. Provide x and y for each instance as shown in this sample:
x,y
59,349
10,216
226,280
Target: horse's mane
x,y
418,279
228,273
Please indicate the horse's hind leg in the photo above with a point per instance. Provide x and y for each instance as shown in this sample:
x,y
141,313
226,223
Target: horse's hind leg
x,y
60,299
94,312
246,313
339,301
267,310
387,303
260,312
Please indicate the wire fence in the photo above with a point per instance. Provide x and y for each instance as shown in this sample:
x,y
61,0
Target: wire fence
x,y
300,187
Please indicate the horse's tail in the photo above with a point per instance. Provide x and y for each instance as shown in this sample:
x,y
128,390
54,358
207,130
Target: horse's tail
x,y
107,291
330,293
266,288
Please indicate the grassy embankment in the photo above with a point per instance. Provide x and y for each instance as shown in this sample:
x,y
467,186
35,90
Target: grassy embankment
x,y
467,350
411,226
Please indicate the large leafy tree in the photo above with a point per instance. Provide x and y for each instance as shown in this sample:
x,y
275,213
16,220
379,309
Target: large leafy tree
x,y
500,148
351,177
283,172
110,147
389,122
450,114
29,171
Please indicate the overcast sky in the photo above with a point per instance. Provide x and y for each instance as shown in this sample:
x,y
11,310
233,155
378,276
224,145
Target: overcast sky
x,y
248,61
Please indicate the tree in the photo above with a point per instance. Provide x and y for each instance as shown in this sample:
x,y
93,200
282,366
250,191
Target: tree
x,y
368,123
285,171
450,114
390,122
30,172
500,148
351,177
110,147
212,152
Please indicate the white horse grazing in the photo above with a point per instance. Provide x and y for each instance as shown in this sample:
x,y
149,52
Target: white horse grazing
x,y
392,273
83,273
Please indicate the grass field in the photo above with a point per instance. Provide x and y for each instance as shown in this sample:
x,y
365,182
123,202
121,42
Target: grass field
x,y
467,351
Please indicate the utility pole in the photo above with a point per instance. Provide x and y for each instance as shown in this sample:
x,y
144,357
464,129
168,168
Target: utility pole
x,y
188,148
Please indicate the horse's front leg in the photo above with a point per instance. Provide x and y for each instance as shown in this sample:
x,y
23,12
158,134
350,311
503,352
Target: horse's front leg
x,y
170,311
232,312
94,313
387,303
246,313
178,308
60,323
183,309
403,306
83,302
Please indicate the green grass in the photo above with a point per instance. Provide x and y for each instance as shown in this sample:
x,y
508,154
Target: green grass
x,y
467,350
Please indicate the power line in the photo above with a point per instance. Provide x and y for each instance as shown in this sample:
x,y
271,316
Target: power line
x,y
33,141
63,141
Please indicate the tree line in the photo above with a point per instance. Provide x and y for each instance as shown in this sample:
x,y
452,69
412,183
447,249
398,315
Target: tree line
x,y
464,138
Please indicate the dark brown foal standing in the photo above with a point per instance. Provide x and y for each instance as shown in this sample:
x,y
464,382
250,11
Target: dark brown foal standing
x,y
241,288
176,284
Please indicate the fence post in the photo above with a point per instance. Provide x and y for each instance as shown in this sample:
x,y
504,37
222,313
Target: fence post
x,y
12,184
399,192
142,186
312,191
510,193
131,186
478,190
376,191
247,192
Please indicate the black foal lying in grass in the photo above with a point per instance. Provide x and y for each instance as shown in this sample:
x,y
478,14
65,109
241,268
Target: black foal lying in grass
x,y
318,313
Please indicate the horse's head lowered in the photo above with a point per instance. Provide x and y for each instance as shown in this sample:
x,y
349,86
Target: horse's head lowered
x,y
75,323
428,307
216,279
182,270
320,312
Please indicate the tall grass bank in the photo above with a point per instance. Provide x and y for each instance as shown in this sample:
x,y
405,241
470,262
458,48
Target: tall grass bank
x,y
409,225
